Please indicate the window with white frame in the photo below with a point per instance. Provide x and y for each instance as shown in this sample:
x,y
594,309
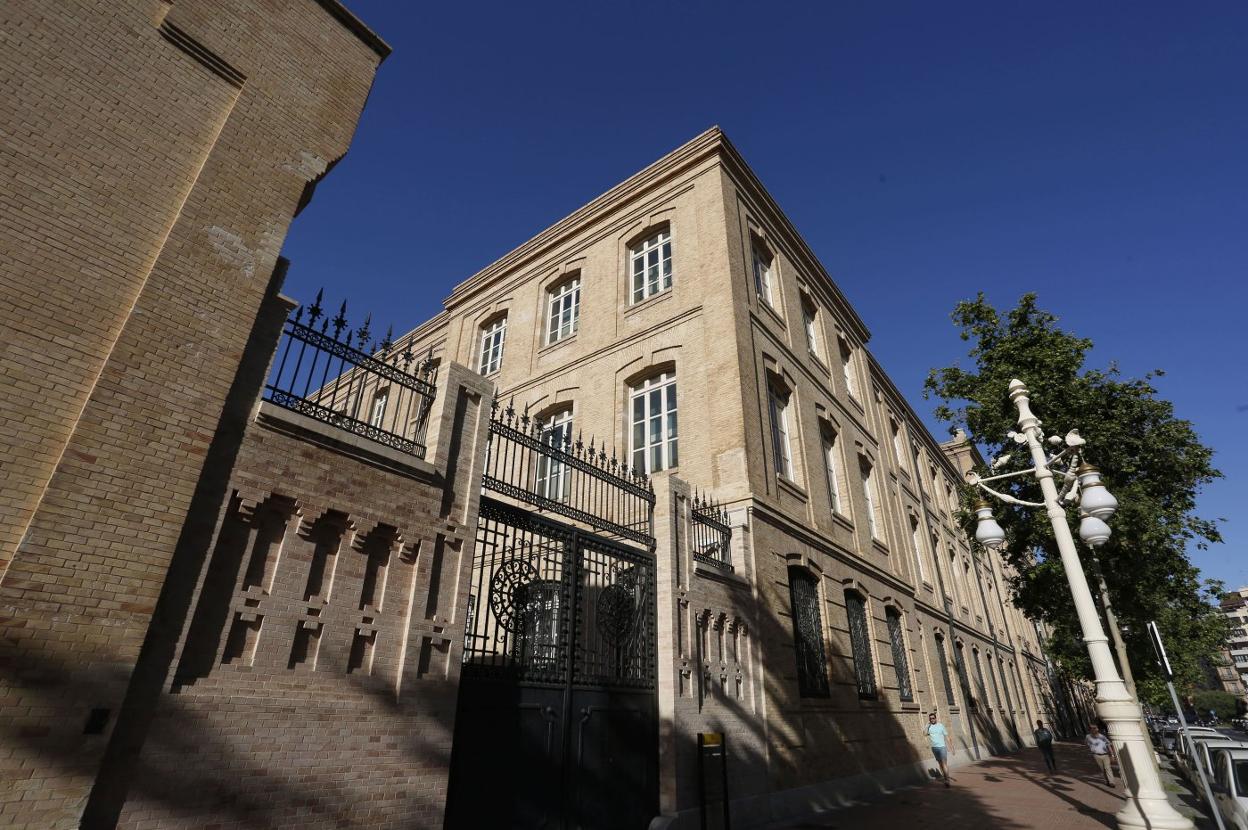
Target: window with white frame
x,y
810,323
916,537
651,265
847,369
832,468
492,337
762,271
869,496
781,448
553,476
897,452
378,412
652,406
564,310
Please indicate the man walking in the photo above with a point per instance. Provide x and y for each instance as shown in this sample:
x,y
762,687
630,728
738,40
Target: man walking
x,y
1044,741
1102,752
936,735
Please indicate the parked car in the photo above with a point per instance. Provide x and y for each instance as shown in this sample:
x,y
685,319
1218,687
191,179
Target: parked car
x,y
1202,749
1230,786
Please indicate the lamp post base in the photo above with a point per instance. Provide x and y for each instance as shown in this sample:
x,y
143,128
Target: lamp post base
x,y
1147,807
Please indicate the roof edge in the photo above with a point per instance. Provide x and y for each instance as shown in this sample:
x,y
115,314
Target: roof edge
x,y
357,27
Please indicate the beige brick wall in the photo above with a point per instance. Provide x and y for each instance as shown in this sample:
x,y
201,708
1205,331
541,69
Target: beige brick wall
x,y
154,157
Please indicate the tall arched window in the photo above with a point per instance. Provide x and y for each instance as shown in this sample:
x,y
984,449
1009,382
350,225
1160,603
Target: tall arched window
x,y
860,642
653,416
963,678
554,478
492,337
944,670
897,639
979,676
564,310
778,398
651,267
812,671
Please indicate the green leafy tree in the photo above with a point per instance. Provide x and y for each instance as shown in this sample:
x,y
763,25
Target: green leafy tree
x,y
1151,460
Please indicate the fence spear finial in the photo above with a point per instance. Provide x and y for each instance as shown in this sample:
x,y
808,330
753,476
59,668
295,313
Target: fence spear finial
x,y
315,311
386,342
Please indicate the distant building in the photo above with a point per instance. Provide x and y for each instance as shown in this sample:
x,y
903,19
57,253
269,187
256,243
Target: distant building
x,y
1234,676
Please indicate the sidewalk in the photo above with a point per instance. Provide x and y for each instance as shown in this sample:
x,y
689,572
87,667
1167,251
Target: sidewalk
x,y
1011,792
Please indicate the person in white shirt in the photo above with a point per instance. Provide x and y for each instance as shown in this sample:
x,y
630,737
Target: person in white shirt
x,y
1102,752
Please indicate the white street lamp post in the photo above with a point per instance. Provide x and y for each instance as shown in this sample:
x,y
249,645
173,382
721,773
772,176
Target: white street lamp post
x,y
1146,806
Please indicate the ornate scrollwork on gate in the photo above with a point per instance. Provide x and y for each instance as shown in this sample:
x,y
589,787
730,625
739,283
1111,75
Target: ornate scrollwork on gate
x,y
618,606
508,590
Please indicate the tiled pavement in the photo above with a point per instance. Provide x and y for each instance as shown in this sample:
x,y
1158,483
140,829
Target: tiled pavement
x,y
1012,792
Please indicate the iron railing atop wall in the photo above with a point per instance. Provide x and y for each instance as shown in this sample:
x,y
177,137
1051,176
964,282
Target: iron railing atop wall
x,y
711,533
546,469
346,379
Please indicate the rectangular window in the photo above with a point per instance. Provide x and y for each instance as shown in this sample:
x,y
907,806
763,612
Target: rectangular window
x,y
847,369
868,495
565,310
652,266
944,670
963,679
653,417
553,475
897,639
781,451
379,408
860,641
915,538
812,672
762,273
810,323
897,453
492,346
833,470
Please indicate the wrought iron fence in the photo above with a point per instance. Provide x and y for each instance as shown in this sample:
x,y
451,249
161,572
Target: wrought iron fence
x,y
543,467
345,378
711,533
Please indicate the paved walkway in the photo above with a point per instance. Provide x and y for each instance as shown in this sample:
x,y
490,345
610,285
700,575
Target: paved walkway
x,y
1012,792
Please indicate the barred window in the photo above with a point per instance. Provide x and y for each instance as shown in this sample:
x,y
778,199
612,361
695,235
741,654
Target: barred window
x,y
565,310
1005,681
860,641
944,670
492,338
964,679
652,265
553,476
812,672
979,676
654,424
897,639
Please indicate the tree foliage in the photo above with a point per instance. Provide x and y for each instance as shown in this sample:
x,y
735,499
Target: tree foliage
x,y
1151,460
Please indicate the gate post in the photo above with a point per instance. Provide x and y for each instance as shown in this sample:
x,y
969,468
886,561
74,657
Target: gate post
x,y
671,534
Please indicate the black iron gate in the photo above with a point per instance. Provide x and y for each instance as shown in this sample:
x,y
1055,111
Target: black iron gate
x,y
557,724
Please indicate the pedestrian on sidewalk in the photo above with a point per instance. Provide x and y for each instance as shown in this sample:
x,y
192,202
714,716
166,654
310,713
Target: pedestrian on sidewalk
x,y
937,735
1044,740
1102,752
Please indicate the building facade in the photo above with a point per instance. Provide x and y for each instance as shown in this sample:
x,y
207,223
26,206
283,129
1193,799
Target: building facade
x,y
1234,676
154,155
681,320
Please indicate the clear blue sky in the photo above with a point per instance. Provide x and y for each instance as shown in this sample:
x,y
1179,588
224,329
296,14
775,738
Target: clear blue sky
x,y
1096,153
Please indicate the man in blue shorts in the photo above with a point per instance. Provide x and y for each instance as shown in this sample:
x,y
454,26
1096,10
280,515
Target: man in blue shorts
x,y
937,734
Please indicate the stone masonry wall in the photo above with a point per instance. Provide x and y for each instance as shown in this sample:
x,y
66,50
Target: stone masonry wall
x,y
315,684
153,157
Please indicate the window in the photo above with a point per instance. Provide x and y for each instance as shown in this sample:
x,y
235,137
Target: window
x,y
810,323
812,673
554,479
979,676
944,670
847,369
897,452
379,407
860,642
652,265
492,338
762,272
536,644
565,310
897,639
781,451
1005,684
833,470
654,423
868,494
915,536
963,678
